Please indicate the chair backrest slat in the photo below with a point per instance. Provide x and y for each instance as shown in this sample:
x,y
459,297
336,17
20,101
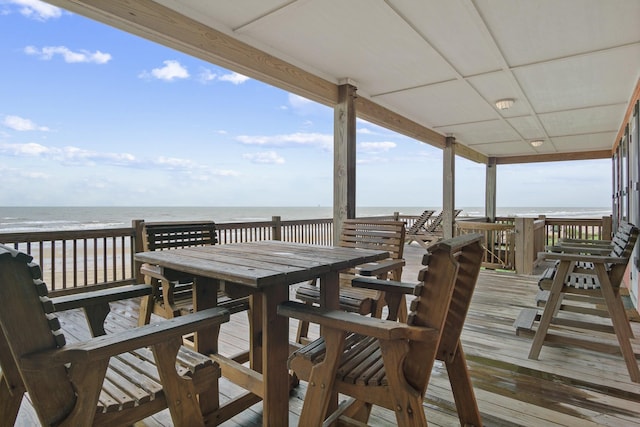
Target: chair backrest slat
x,y
371,234
178,234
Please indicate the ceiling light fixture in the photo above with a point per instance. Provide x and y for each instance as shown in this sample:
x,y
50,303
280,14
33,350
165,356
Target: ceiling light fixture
x,y
504,104
536,142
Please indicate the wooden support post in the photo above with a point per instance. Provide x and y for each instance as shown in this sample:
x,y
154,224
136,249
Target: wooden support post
x,y
448,186
138,245
490,190
276,228
525,243
344,158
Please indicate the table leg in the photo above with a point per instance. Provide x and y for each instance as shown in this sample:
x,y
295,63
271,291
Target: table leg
x,y
255,331
275,351
205,295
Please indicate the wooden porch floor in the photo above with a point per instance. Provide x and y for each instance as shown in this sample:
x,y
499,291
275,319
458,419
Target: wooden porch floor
x,y
567,386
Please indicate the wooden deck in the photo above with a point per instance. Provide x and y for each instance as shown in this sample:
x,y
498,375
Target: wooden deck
x,y
567,386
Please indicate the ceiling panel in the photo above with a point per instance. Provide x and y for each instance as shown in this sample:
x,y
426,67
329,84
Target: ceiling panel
x,y
381,53
456,37
506,148
582,121
583,142
481,132
528,127
441,105
228,15
599,79
532,31
500,85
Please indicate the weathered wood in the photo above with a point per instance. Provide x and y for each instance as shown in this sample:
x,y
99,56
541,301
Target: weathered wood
x,y
75,383
364,234
590,275
387,363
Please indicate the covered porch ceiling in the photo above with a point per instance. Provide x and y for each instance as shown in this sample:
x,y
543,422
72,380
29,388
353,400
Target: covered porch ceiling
x,y
426,69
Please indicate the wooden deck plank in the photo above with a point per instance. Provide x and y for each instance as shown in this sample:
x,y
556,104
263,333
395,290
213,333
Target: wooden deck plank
x,y
567,386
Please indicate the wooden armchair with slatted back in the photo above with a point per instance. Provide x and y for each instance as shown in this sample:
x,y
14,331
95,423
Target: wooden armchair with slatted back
x,y
104,381
365,234
172,295
388,363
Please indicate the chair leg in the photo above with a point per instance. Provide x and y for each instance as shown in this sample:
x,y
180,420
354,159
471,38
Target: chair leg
x,y
620,323
320,390
10,401
406,400
181,394
463,394
549,310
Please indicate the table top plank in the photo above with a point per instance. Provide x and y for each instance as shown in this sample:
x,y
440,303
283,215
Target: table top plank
x,y
259,264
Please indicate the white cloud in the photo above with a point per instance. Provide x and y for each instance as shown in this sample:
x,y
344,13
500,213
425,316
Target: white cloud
x,y
68,155
377,147
234,78
82,56
265,157
22,124
35,9
175,163
206,76
171,71
30,149
324,141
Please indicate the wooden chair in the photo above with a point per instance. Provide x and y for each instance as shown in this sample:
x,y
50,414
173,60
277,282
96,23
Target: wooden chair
x,y
431,232
419,223
364,234
589,275
172,296
108,380
387,363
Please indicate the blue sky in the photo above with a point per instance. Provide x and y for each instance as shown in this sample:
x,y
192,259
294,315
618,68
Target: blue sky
x,y
93,116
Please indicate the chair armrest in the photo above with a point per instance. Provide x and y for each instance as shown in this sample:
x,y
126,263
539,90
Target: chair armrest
x,y
596,259
350,322
577,249
381,267
390,286
86,299
106,346
156,272
585,242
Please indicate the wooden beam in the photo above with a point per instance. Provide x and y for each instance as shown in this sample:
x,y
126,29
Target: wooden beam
x,y
555,157
155,22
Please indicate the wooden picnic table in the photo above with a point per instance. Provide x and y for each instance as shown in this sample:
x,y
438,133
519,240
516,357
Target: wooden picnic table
x,y
265,269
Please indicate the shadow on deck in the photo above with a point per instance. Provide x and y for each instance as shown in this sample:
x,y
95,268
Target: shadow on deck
x,y
567,386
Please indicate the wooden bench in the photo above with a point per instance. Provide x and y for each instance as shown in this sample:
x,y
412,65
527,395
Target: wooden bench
x,y
578,272
172,296
108,380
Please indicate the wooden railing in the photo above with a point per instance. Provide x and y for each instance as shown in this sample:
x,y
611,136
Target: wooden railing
x,y
499,241
73,260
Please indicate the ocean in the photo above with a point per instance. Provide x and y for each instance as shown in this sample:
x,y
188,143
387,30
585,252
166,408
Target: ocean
x,y
25,219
